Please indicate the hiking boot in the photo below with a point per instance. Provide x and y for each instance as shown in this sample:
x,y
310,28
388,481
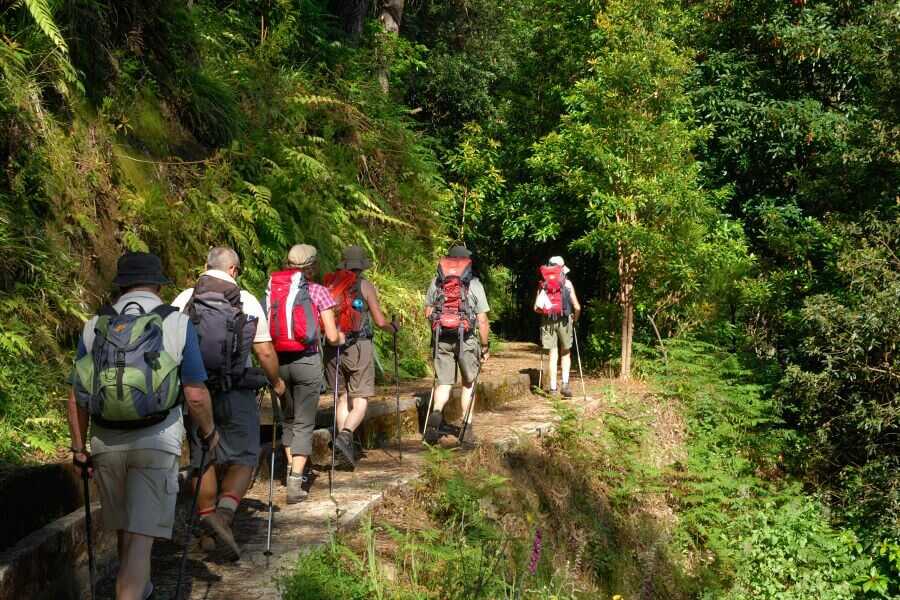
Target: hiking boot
x,y
213,524
295,490
450,429
207,542
226,514
344,444
566,391
432,433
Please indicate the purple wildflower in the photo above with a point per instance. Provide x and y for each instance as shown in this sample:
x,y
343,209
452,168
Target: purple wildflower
x,y
535,552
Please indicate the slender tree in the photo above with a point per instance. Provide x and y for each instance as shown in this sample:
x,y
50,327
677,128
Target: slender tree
x,y
622,157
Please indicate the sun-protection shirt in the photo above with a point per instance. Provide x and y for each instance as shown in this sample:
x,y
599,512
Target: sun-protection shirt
x,y
180,340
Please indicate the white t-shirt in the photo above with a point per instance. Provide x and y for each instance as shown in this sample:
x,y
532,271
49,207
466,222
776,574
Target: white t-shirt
x,y
251,305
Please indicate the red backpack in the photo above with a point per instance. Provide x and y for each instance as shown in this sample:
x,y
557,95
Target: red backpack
x,y
553,282
293,317
451,310
350,310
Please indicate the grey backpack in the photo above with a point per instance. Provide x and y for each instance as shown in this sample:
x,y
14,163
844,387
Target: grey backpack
x,y
225,332
127,379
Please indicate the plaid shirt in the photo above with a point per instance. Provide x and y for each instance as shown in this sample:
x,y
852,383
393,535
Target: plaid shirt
x,y
321,297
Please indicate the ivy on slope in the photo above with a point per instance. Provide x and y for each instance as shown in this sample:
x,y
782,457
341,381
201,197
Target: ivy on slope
x,y
747,529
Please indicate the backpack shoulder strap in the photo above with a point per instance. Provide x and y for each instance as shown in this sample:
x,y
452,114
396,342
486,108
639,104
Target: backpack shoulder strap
x,y
164,310
107,310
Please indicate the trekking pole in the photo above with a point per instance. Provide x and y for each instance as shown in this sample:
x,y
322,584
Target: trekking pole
x,y
578,356
276,418
204,448
397,385
541,373
89,537
433,384
337,378
471,406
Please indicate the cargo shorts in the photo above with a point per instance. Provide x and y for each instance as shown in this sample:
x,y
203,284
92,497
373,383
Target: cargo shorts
x,y
236,415
450,354
138,489
557,333
357,368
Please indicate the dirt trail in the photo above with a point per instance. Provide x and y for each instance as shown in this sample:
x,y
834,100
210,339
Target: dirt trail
x,y
301,526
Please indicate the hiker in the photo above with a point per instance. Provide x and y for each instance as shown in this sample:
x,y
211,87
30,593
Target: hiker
x,y
134,360
457,307
230,322
559,308
357,310
296,307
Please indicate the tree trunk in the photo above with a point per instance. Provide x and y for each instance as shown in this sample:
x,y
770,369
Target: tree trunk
x,y
627,267
353,16
390,15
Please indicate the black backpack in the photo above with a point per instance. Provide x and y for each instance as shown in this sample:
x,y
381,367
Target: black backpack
x,y
225,332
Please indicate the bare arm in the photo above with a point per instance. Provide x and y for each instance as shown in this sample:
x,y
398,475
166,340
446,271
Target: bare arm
x,y
484,332
576,306
199,406
78,422
334,337
536,308
371,296
268,360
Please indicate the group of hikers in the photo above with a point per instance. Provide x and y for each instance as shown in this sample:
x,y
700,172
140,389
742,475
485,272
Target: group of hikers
x,y
148,374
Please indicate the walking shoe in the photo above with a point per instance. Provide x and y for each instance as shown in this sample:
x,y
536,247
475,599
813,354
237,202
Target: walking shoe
x,y
566,391
226,514
450,429
213,524
207,542
295,491
344,443
432,435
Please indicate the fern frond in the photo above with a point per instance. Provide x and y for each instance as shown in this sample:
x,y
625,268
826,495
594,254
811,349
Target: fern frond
x,y
43,16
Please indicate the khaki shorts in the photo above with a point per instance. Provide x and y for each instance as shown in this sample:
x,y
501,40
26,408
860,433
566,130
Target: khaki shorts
x,y
557,333
138,489
357,368
469,361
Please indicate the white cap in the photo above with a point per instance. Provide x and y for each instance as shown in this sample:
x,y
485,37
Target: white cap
x,y
559,262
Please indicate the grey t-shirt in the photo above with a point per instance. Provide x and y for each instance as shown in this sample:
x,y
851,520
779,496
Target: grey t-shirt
x,y
166,435
476,297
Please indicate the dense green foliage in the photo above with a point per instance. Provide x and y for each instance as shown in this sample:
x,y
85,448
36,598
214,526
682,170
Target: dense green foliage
x,y
720,169
195,128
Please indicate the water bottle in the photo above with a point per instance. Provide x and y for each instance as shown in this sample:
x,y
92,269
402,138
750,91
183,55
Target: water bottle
x,y
357,304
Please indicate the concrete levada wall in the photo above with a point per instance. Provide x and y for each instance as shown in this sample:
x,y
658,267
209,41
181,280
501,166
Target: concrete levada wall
x,y
52,563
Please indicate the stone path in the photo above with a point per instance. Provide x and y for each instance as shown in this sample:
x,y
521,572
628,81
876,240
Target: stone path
x,y
509,410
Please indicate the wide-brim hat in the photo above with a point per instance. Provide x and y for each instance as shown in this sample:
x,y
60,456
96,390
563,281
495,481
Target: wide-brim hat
x,y
139,268
354,257
302,255
459,252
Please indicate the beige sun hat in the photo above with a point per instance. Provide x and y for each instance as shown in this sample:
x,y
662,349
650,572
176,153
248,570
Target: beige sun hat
x,y
301,256
559,262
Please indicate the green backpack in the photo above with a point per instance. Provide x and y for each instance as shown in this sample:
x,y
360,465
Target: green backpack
x,y
127,379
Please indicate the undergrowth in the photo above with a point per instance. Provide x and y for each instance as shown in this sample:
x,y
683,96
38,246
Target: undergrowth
x,y
189,126
670,489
